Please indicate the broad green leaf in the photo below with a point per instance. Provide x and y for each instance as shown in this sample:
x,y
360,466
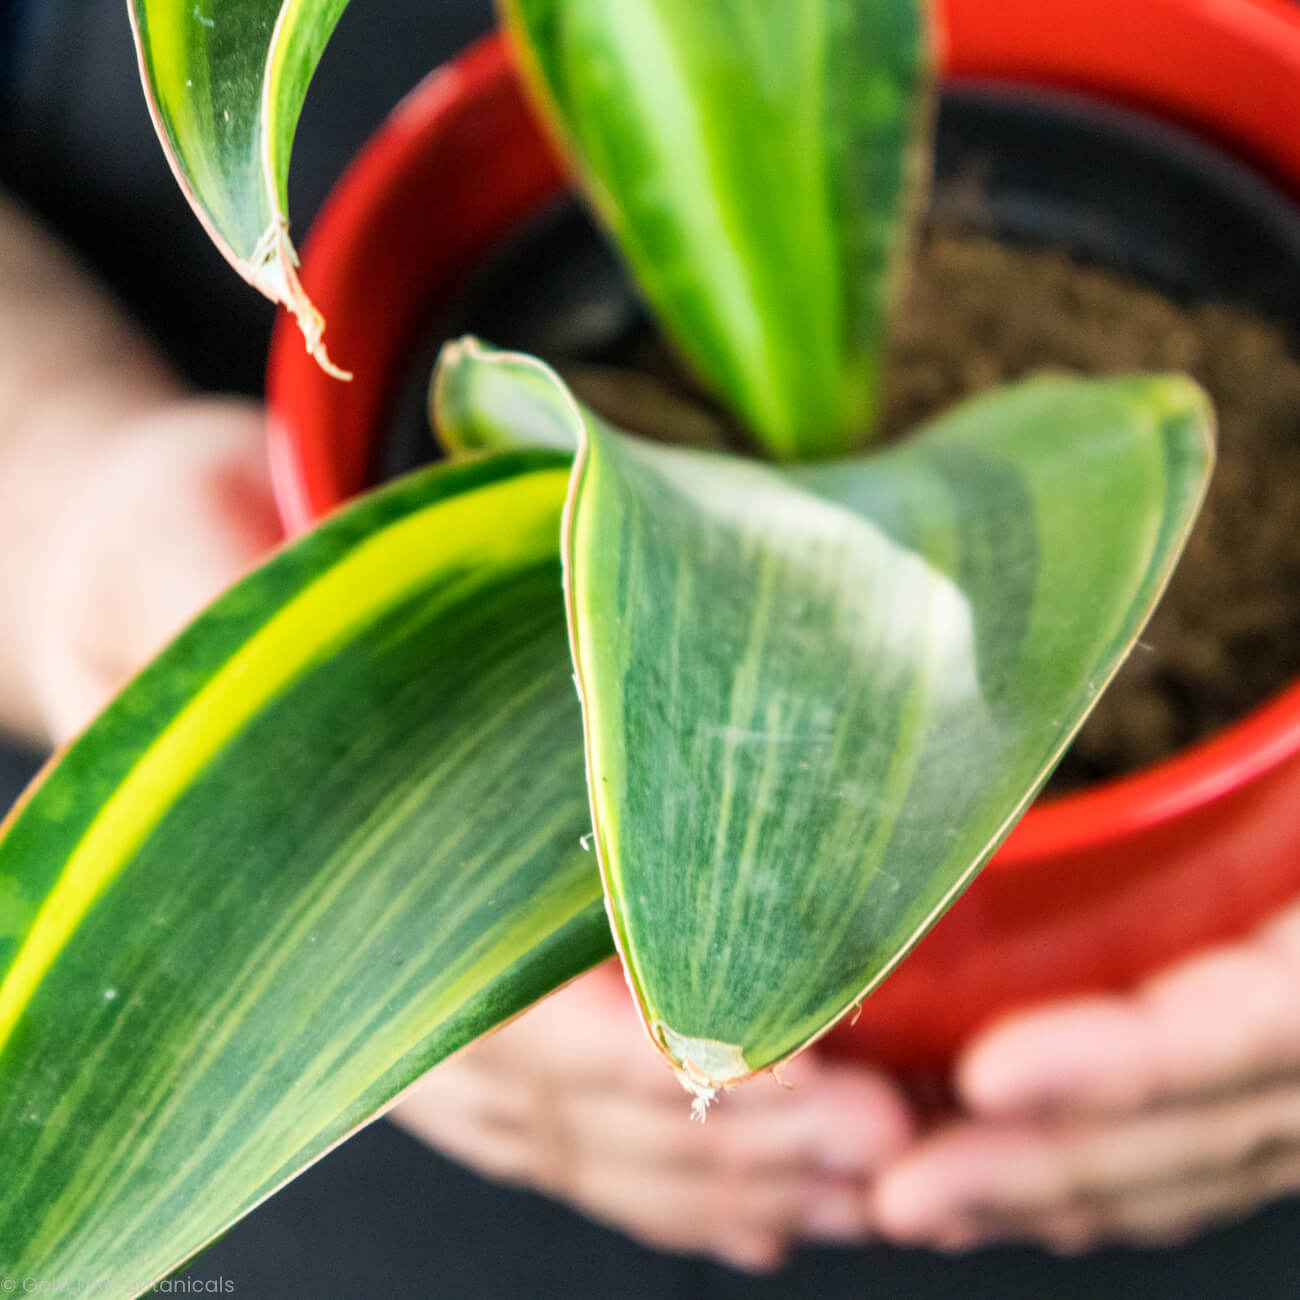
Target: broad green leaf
x,y
758,162
818,698
226,81
329,837
817,701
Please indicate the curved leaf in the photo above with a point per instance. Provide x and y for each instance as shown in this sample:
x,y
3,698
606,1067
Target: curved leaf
x,y
758,164
486,399
226,81
486,408
817,699
329,837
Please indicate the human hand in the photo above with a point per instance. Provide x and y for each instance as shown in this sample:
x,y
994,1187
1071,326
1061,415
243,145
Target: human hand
x,y
572,1100
159,515
1139,1119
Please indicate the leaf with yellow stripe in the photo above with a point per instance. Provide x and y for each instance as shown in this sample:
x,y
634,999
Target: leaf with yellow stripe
x,y
818,697
758,162
330,836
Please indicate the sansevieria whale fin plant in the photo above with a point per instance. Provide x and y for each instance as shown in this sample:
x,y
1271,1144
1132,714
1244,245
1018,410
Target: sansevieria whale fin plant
x,y
344,824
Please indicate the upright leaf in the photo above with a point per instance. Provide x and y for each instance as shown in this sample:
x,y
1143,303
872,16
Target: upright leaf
x,y
817,699
330,836
226,81
758,162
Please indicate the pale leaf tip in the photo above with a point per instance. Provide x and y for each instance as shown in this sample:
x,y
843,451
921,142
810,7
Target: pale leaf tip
x,y
322,358
703,1066
701,1097
273,270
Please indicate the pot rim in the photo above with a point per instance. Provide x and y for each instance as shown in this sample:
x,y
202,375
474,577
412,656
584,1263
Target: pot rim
x,y
1022,42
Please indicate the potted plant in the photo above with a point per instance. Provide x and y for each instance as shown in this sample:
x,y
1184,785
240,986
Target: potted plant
x,y
341,826
1090,891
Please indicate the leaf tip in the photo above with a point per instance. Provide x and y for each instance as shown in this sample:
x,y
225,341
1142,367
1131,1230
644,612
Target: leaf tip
x,y
700,1104
703,1066
273,271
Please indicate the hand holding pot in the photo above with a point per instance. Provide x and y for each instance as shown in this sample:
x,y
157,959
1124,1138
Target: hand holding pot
x,y
572,1101
1140,1119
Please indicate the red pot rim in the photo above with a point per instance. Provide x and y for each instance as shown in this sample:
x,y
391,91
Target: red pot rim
x,y
1228,71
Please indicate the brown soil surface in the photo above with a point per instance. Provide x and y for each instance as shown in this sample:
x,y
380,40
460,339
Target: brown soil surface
x,y
1227,633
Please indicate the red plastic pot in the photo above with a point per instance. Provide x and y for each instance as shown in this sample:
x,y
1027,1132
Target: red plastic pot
x,y
1090,892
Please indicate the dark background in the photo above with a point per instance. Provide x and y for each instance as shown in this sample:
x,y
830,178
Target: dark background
x,y
383,1216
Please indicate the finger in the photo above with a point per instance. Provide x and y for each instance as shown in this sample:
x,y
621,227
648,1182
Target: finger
x,y
859,1120
1032,1169
498,1151
653,1174
481,1118
1222,1020
687,1195
587,1037
844,1127
668,1209
751,1252
588,1042
1150,1216
840,1123
1168,1215
705,1213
